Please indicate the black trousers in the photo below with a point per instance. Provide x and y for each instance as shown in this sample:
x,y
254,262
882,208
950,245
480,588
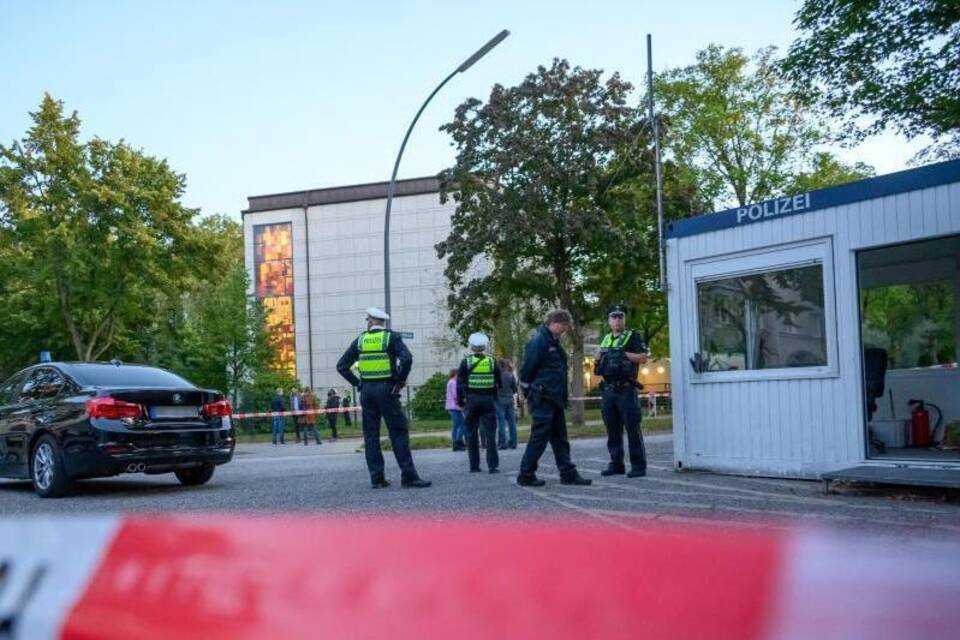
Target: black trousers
x,y
480,413
621,410
376,402
332,421
346,417
549,426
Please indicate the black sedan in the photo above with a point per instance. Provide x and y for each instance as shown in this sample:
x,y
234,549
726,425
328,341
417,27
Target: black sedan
x,y
64,421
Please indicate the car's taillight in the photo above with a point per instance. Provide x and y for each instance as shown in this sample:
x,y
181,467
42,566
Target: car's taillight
x,y
220,408
113,409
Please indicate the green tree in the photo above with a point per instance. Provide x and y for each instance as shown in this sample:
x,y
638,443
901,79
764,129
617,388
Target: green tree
x,y
878,64
96,233
737,127
429,401
226,340
545,183
825,171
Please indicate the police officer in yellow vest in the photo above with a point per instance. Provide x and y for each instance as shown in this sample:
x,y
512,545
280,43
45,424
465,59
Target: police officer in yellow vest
x,y
384,364
621,353
477,381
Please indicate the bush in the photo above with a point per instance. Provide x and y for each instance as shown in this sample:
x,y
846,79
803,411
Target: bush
x,y
430,398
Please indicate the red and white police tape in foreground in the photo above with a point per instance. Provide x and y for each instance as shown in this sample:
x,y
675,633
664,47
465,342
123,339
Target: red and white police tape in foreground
x,y
316,412
300,577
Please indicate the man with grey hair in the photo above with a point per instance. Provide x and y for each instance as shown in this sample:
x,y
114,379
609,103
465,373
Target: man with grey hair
x,y
543,378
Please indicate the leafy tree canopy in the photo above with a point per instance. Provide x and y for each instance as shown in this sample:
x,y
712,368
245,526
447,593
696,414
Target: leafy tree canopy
x,y
877,64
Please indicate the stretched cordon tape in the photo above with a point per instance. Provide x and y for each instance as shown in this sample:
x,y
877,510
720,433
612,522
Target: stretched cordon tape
x,y
301,577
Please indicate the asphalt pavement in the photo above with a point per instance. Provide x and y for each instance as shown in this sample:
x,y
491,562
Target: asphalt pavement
x,y
332,479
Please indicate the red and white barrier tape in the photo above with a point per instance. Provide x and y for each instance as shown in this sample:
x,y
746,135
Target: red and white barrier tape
x,y
356,409
246,577
302,412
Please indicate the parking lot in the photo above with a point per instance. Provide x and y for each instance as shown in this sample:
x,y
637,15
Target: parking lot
x,y
332,479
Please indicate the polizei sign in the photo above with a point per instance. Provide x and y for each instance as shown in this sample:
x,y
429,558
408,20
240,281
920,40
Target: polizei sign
x,y
773,208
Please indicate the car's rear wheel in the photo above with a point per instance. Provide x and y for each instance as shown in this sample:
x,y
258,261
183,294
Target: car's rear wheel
x,y
196,475
47,471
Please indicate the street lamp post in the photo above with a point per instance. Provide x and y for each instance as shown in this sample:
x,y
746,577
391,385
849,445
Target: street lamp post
x,y
469,62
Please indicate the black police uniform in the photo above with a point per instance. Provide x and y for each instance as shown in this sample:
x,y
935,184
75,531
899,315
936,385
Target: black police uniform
x,y
544,379
381,399
479,409
620,408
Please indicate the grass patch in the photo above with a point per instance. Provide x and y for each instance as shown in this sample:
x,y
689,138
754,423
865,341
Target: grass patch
x,y
421,442
648,426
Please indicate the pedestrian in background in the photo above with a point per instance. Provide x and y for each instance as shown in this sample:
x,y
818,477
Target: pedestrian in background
x,y
346,404
456,413
277,406
308,421
295,406
507,406
333,402
543,378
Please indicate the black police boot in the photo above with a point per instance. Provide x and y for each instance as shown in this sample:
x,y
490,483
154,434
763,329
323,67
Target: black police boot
x,y
637,472
379,483
475,469
530,481
576,479
494,470
614,470
416,483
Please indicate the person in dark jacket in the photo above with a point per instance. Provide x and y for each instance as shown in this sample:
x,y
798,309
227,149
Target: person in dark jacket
x,y
384,363
277,405
543,378
507,406
346,404
333,402
477,380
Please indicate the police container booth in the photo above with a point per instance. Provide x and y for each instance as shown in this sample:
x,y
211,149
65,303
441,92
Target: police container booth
x,y
809,334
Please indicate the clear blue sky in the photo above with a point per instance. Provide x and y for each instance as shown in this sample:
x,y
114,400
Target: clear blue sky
x,y
250,98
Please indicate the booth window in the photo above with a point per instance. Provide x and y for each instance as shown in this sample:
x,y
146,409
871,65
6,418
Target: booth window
x,y
771,319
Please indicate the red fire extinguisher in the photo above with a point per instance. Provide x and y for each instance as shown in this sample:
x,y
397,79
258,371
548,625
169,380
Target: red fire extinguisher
x,y
921,436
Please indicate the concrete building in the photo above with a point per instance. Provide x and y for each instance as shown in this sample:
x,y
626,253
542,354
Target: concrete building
x,y
315,259
802,328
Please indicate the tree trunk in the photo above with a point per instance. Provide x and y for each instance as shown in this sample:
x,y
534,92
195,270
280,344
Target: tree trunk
x,y
576,375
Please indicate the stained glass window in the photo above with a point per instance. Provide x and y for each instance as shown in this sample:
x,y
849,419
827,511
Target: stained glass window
x,y
273,281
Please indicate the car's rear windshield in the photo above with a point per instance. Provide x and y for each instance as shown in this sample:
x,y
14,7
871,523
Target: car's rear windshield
x,y
124,375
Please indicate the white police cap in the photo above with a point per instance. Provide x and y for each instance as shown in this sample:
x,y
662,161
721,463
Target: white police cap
x,y
478,341
377,313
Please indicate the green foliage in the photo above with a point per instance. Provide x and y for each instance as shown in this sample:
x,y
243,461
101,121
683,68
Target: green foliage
x,y
826,171
914,323
99,233
551,188
100,259
736,126
429,401
880,64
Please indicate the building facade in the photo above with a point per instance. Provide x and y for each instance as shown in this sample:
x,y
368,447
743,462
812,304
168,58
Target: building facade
x,y
315,260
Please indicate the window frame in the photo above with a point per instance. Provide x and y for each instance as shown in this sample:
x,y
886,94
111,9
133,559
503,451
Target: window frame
x,y
759,261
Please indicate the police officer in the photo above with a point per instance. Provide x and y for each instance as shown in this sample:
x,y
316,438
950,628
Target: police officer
x,y
477,381
384,364
543,379
621,353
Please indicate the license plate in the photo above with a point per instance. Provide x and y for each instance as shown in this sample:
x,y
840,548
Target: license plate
x,y
174,412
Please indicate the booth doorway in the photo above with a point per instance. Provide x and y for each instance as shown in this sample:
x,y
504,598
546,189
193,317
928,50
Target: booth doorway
x,y
909,328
